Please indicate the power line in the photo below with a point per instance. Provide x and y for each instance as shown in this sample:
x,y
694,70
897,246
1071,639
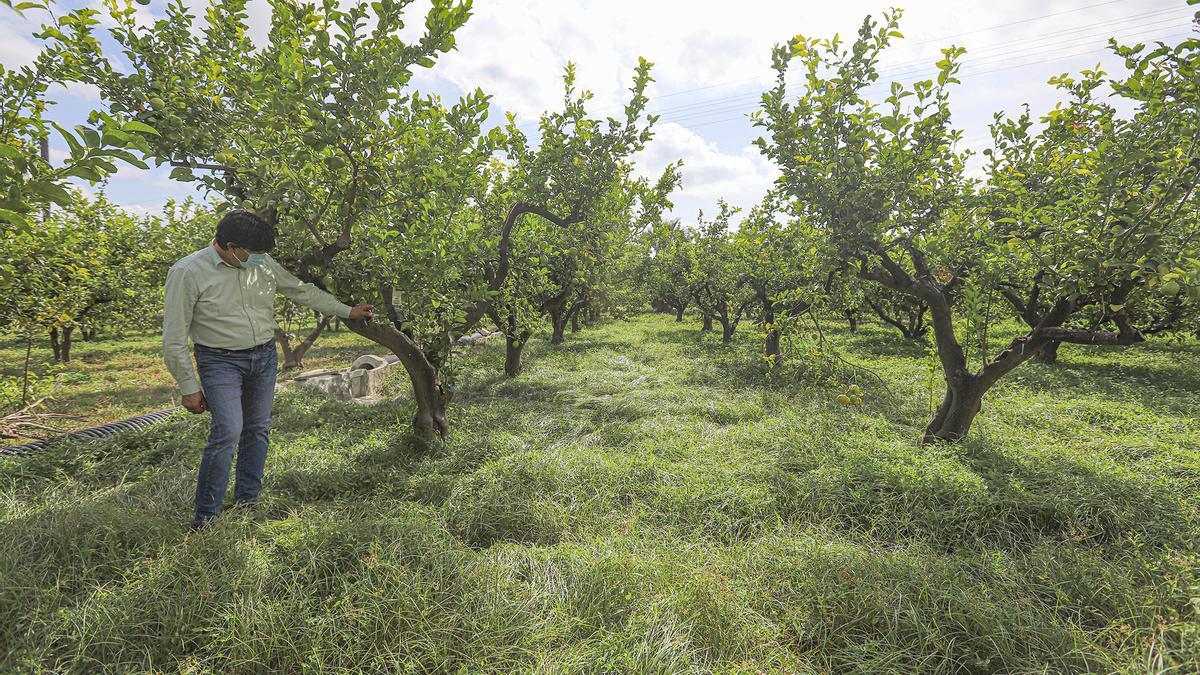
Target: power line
x,y
968,71
963,77
910,45
905,69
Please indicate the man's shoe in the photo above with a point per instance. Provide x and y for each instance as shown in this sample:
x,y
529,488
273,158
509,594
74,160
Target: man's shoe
x,y
201,522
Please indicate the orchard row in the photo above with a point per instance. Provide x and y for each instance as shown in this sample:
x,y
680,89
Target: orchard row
x,y
1083,224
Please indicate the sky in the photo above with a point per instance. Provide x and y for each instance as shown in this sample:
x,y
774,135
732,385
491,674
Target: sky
x,y
711,64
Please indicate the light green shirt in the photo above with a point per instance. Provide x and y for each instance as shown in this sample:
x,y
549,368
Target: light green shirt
x,y
219,305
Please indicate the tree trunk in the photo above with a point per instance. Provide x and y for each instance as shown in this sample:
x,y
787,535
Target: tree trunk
x,y
964,390
89,335
61,344
707,326
430,394
559,325
962,402
431,397
916,324
727,328
852,318
293,358
575,322
513,349
773,350
771,346
25,371
679,314
1048,355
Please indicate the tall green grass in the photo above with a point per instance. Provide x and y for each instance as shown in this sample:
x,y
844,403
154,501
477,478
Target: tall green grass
x,y
641,499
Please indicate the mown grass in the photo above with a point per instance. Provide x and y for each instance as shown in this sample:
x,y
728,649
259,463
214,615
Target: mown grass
x,y
641,499
115,377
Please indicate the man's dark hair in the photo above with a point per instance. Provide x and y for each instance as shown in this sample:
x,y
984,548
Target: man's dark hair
x,y
247,230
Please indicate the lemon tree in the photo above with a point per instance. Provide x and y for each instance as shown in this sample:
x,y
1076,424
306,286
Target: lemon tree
x,y
1090,210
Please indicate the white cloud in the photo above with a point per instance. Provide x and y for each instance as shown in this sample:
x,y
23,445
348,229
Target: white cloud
x,y
89,93
17,47
708,174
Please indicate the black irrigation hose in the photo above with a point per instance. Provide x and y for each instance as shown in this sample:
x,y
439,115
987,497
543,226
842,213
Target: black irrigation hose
x,y
102,431
106,430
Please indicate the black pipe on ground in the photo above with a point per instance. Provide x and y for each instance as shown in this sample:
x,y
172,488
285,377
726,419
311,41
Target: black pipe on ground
x,y
102,431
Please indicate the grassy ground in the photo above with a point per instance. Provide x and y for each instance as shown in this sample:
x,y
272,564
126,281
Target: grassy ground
x,y
113,378
640,500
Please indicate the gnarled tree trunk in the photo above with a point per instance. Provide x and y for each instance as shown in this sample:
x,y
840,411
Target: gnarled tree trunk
x,y
707,326
965,390
558,325
515,340
293,357
1048,355
913,328
430,394
424,366
962,402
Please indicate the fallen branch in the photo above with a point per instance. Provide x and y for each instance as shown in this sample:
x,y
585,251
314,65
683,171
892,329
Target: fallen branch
x,y
17,424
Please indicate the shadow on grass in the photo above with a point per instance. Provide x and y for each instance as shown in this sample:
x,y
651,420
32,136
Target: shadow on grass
x,y
1019,502
867,342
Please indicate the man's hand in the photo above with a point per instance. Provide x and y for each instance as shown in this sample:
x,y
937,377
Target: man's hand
x,y
195,403
362,312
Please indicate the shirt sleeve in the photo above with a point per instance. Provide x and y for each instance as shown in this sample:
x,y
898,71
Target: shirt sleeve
x,y
307,294
179,301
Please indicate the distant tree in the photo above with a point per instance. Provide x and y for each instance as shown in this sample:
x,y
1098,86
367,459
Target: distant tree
x,y
670,268
716,280
902,312
783,259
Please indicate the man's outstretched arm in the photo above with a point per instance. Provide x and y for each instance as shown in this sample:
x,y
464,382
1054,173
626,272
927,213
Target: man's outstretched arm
x,y
314,298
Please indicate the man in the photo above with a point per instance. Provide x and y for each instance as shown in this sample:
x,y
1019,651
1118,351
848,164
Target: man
x,y
223,297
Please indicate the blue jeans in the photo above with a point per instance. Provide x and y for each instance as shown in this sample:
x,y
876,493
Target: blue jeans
x,y
239,388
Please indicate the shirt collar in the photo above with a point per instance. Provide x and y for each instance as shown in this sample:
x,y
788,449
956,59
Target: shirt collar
x,y
216,257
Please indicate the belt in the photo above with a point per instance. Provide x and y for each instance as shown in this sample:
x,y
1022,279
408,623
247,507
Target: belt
x,y
222,350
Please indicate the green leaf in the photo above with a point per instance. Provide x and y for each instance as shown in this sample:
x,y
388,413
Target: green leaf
x,y
15,218
90,136
72,142
11,152
139,127
55,193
